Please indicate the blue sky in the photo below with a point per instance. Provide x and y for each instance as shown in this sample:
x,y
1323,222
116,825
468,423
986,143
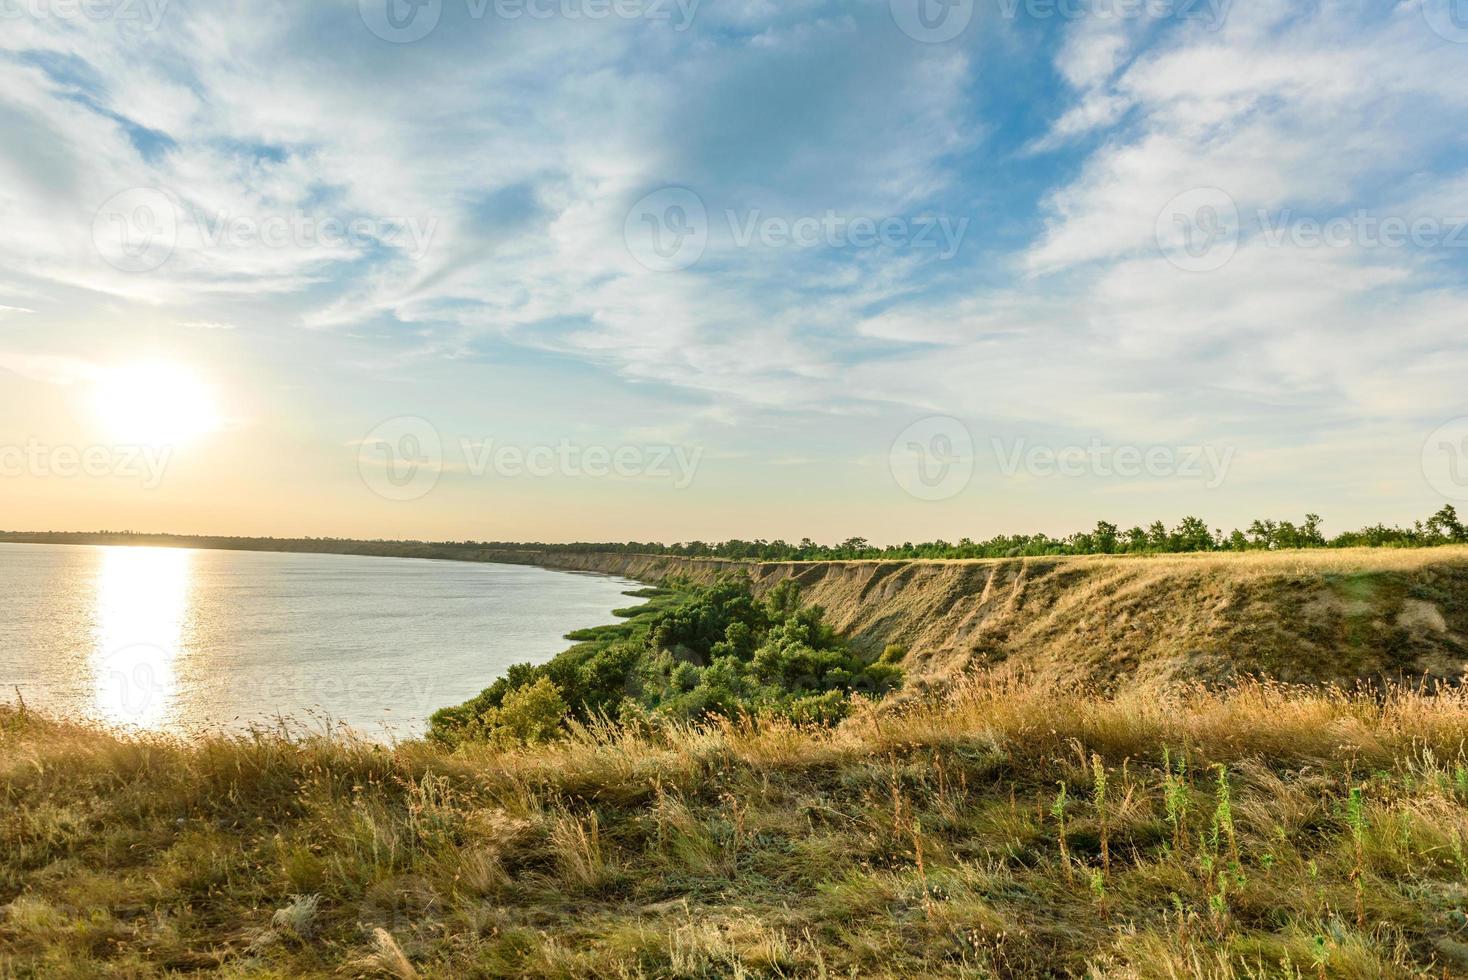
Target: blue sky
x,y
901,249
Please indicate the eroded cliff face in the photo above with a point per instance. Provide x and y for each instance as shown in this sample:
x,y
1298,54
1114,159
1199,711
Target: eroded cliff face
x,y
1298,617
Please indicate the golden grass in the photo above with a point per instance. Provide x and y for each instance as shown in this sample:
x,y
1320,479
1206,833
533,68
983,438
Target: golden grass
x,y
917,841
1306,560
1150,621
1302,560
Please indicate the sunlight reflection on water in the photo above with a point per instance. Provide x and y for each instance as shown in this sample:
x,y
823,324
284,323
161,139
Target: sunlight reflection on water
x,y
142,601
179,640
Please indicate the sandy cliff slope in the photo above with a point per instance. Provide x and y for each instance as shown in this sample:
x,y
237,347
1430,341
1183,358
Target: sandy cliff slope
x,y
1296,616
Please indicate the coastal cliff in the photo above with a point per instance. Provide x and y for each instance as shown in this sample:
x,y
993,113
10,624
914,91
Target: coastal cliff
x,y
1305,617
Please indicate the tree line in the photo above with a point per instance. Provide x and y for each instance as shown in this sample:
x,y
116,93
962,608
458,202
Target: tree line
x,y
1191,534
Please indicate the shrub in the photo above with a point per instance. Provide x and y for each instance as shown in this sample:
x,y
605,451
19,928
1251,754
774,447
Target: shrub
x,y
706,650
529,714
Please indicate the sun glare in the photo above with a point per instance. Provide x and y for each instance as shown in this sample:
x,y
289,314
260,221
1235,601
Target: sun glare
x,y
156,404
142,601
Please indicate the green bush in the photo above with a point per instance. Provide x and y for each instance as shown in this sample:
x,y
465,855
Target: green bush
x,y
530,714
695,652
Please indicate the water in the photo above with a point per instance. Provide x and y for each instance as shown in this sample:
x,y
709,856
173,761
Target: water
x,y
178,640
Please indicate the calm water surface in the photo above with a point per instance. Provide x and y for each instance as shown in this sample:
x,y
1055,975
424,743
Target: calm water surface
x,y
179,640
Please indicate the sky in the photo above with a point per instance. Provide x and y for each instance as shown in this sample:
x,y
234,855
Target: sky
x,y
672,270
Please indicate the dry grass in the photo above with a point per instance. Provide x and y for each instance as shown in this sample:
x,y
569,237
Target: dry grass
x,y
1148,621
1293,832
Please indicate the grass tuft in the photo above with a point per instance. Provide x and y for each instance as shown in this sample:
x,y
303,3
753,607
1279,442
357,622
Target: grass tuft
x,y
1007,829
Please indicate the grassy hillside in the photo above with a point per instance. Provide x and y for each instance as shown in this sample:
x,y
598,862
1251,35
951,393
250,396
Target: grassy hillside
x,y
1301,616
1008,830
1297,616
1051,794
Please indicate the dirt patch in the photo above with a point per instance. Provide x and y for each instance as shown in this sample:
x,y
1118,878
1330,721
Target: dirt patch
x,y
1419,617
1334,606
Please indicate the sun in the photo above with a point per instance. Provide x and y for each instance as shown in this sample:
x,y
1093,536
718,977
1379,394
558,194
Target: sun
x,y
156,404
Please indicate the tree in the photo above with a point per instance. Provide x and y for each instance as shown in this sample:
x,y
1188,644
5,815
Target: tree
x,y
1262,534
529,715
1192,534
1445,524
1157,539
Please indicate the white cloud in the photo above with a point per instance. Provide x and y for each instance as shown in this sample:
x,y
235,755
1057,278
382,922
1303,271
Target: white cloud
x,y
48,368
524,145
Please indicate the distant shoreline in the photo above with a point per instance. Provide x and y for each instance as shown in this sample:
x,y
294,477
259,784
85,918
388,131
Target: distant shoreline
x,y
436,550
649,567
1191,535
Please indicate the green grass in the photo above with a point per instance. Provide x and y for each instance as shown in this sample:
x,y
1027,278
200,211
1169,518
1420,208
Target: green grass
x,y
1266,831
634,619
